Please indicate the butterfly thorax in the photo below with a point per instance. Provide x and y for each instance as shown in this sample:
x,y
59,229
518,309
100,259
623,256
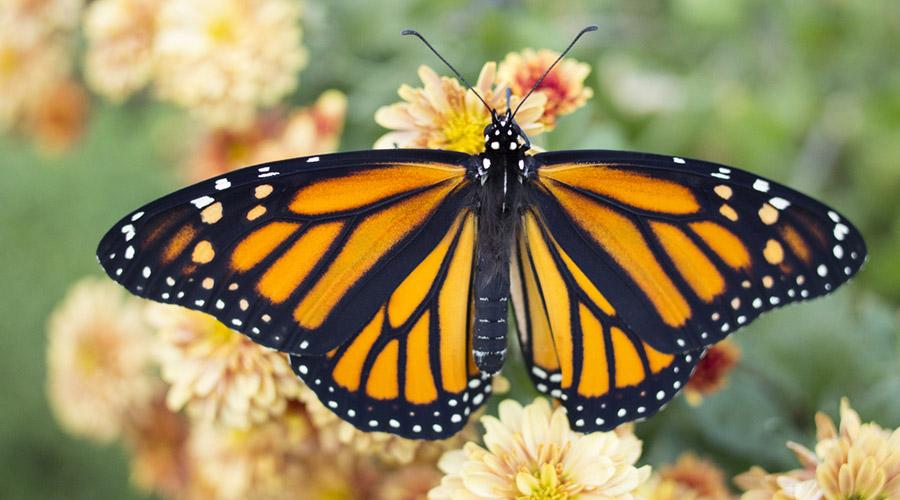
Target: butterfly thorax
x,y
500,172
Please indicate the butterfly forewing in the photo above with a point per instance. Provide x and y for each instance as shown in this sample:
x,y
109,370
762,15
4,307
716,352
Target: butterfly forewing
x,y
298,254
687,251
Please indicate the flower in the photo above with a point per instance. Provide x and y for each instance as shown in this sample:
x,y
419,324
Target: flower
x,y
854,461
218,374
267,460
689,478
120,33
58,119
712,371
411,482
157,439
98,360
223,60
445,115
306,131
563,87
532,452
31,61
335,434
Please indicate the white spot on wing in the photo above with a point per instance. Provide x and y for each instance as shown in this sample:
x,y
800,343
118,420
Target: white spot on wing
x,y
202,201
761,185
678,160
222,183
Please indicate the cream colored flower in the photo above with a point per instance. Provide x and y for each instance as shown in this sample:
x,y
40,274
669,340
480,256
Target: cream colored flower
x,y
98,359
223,60
689,478
48,17
853,462
860,461
307,131
532,452
218,374
268,460
445,115
120,33
336,435
711,373
563,87
157,441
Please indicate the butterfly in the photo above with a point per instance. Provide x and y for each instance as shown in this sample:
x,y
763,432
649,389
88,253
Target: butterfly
x,y
388,275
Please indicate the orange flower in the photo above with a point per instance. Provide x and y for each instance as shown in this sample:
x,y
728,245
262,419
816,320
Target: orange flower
x,y
563,87
157,439
689,478
307,131
712,371
59,118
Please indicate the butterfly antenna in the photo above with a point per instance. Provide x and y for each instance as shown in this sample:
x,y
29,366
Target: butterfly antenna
x,y
458,75
537,84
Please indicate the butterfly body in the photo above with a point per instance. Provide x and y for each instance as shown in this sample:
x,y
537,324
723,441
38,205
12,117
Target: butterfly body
x,y
499,178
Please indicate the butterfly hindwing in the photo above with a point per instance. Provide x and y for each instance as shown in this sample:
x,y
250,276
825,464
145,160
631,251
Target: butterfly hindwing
x,y
687,251
297,254
575,345
410,371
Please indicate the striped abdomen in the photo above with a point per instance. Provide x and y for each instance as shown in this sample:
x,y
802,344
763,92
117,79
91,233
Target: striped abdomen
x,y
491,306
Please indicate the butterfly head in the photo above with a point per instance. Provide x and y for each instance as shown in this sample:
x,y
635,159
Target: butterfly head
x,y
503,135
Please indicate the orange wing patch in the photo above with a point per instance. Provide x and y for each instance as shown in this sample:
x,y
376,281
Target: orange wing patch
x,y
371,239
259,244
454,317
364,188
630,188
286,274
625,243
701,274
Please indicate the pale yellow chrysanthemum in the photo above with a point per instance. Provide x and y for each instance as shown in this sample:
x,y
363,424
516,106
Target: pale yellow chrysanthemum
x,y
689,478
445,115
532,452
98,359
336,435
563,87
157,441
223,60
306,131
119,59
855,461
218,374
267,460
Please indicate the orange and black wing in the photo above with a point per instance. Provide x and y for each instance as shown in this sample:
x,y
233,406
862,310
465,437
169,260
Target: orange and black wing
x,y
300,254
410,371
687,251
576,346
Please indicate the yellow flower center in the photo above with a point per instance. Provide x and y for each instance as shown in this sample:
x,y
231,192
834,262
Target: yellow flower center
x,y
222,28
220,335
544,484
9,59
463,131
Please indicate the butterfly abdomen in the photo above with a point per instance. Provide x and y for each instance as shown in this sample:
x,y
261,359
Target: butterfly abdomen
x,y
491,309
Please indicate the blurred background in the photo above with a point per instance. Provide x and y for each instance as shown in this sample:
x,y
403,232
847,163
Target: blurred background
x,y
105,105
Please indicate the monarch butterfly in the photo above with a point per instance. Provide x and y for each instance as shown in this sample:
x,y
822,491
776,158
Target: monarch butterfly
x,y
387,274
